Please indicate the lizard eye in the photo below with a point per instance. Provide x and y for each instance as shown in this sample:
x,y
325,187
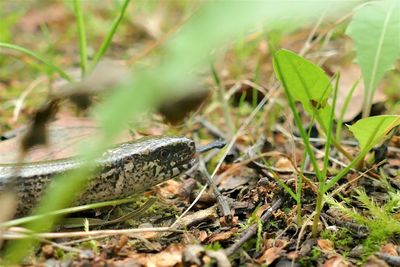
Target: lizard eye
x,y
164,154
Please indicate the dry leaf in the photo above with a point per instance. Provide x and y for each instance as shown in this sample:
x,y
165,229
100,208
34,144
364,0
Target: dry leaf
x,y
51,15
390,249
325,245
283,163
171,256
270,255
336,261
373,261
293,255
169,189
222,236
348,76
202,236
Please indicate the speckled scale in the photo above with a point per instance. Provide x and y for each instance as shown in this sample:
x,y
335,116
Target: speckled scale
x,y
126,169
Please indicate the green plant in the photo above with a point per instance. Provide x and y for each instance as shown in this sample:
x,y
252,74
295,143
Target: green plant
x,y
82,36
215,246
306,83
380,221
341,238
375,29
311,259
254,219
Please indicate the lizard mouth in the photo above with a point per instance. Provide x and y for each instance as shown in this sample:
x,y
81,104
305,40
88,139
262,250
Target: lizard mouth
x,y
189,164
184,166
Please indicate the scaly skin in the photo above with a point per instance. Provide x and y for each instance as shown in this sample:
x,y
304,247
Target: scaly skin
x,y
126,169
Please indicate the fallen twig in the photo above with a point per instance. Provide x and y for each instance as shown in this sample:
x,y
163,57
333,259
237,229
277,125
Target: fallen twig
x,y
226,211
252,230
390,259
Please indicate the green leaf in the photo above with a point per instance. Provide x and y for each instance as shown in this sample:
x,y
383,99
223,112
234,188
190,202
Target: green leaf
x,y
370,131
375,29
306,83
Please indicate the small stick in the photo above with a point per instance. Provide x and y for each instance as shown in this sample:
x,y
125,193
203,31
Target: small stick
x,y
252,230
344,142
359,230
211,128
226,211
216,144
389,259
63,247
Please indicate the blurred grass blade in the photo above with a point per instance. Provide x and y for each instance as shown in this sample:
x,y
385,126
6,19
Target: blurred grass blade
x,y
82,36
375,30
39,58
344,109
222,100
24,220
330,129
106,43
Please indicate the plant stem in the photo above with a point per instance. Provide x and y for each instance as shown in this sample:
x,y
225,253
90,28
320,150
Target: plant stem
x,y
223,102
82,36
318,209
344,109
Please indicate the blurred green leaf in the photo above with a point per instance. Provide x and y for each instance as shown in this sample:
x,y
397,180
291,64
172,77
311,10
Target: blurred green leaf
x,y
375,29
370,131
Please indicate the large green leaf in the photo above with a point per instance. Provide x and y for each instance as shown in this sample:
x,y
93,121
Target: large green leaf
x,y
306,83
372,130
375,29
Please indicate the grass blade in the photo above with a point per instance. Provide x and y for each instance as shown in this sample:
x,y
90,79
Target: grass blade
x,y
82,36
225,106
321,193
38,58
106,43
330,130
